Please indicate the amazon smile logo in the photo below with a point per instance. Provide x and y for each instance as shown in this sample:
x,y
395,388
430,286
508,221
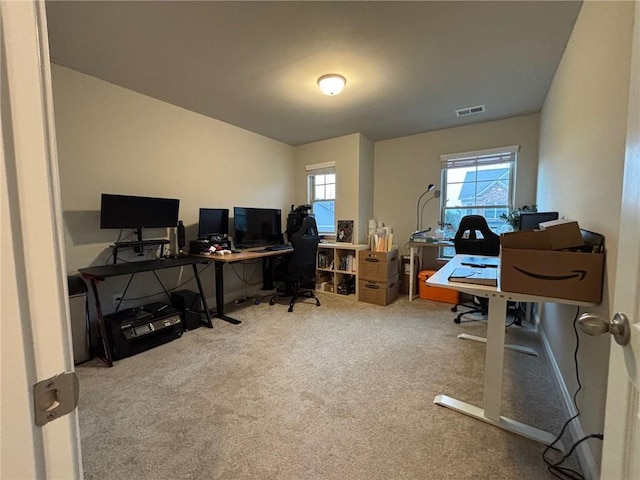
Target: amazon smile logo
x,y
579,274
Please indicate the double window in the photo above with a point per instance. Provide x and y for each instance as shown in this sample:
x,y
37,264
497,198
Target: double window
x,y
321,193
479,183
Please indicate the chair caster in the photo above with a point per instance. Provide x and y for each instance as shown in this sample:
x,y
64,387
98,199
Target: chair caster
x,y
456,320
317,302
272,302
454,309
517,321
290,308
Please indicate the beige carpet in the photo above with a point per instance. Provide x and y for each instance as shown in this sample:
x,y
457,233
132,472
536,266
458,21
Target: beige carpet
x,y
341,391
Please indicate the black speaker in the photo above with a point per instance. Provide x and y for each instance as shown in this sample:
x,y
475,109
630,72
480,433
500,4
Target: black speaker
x,y
189,304
182,241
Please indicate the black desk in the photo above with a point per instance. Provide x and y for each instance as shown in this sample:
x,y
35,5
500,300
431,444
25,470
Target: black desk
x,y
99,273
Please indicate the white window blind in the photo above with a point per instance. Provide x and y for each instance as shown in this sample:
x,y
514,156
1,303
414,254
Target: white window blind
x,y
480,158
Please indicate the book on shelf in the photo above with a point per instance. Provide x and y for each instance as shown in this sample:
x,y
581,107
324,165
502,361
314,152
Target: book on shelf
x,y
478,276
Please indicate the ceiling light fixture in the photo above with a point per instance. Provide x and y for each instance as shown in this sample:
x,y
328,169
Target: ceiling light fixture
x,y
331,84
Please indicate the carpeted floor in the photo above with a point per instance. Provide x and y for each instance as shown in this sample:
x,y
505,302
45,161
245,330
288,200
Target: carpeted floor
x,y
341,391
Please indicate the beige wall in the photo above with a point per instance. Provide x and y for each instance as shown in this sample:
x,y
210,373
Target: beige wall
x,y
582,139
345,152
365,188
113,140
404,167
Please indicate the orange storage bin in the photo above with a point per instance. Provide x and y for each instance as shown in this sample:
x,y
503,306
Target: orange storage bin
x,y
436,294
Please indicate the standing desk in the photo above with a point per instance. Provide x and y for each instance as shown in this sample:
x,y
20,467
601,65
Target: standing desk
x,y
494,362
101,272
219,262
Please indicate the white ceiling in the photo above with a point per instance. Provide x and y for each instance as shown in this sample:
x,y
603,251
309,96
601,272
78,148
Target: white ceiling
x,y
409,65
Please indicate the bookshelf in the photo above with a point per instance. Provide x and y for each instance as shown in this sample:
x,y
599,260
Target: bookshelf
x,y
337,268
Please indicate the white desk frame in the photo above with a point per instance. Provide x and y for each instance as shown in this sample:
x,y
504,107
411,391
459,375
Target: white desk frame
x,y
415,250
493,370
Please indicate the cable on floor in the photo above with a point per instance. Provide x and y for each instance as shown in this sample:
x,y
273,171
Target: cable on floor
x,y
556,468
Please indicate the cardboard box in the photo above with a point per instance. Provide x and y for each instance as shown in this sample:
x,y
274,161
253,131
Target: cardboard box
x,y
562,234
378,293
526,239
555,274
378,266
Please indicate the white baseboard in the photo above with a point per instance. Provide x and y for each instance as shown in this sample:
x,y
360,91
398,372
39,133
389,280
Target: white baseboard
x,y
586,459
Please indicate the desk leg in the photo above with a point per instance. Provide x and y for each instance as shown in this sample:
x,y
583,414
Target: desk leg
x,y
493,383
208,323
411,279
103,330
267,276
219,279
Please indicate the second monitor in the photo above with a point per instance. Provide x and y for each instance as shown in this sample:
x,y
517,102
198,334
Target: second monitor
x,y
213,221
256,227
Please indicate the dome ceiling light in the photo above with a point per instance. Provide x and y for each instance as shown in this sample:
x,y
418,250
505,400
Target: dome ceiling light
x,y
331,84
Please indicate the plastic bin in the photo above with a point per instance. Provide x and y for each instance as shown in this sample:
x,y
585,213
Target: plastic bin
x,y
436,294
79,318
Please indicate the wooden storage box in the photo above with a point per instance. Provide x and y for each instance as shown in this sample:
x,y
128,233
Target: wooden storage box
x,y
378,266
378,293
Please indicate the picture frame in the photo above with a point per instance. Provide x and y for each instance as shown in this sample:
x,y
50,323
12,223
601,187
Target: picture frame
x,y
344,233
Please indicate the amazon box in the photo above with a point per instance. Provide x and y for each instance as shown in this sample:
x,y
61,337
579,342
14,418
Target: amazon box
x,y
562,234
554,274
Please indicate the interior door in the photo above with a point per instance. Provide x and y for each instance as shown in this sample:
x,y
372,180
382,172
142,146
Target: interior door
x,y
36,341
621,449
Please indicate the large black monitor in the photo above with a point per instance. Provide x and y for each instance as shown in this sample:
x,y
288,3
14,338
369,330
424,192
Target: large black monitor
x,y
257,226
127,211
531,220
213,221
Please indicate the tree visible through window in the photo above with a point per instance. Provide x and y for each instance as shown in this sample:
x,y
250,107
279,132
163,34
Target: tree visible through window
x,y
479,183
321,191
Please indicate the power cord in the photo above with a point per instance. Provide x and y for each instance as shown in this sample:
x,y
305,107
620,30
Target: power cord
x,y
556,468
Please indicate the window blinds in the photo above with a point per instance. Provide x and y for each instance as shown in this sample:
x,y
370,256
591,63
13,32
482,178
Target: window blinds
x,y
321,168
480,158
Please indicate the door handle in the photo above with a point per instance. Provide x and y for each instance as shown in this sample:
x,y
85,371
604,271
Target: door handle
x,y
593,325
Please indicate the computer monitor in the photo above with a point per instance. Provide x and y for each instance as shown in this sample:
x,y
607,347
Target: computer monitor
x,y
531,220
213,221
128,211
257,226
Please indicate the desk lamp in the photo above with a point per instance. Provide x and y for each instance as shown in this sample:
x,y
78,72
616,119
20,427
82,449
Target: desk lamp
x,y
436,194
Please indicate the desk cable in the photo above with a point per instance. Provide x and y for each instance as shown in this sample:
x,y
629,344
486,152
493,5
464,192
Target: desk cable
x,y
556,468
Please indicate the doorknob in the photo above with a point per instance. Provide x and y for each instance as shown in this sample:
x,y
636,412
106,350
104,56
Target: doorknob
x,y
593,324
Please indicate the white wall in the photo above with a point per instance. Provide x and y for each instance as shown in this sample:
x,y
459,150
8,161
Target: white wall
x,y
582,139
114,140
403,167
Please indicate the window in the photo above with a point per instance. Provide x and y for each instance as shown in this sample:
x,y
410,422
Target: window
x,y
479,183
321,193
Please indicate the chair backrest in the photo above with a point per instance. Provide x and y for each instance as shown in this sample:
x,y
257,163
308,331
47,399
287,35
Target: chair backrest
x,y
475,237
301,264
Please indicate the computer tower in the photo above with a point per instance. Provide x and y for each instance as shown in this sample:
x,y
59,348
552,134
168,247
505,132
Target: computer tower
x,y
189,305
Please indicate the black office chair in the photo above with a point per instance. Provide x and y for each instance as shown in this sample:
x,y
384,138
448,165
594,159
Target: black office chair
x,y
299,267
474,237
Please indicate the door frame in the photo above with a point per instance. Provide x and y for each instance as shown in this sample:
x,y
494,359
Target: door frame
x,y
622,426
36,337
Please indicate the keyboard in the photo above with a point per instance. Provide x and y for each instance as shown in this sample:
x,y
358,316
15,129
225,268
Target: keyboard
x,y
273,248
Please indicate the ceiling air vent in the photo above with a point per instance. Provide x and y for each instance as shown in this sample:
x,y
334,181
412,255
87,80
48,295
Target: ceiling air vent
x,y
469,111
